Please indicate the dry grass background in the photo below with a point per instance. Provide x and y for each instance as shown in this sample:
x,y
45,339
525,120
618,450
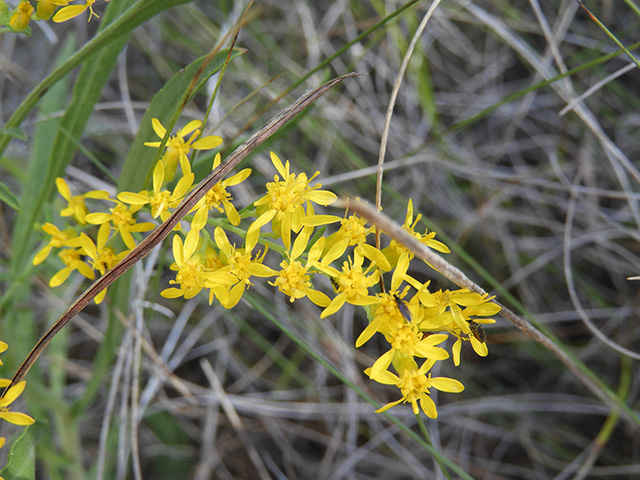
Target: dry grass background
x,y
546,203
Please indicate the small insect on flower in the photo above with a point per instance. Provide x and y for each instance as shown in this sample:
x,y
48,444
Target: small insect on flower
x,y
477,331
402,307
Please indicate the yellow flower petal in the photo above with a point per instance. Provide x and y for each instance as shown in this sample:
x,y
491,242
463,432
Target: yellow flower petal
x,y
317,220
13,393
375,255
67,13
207,143
159,129
158,178
97,218
321,197
171,293
334,306
17,418
445,384
134,198
278,164
63,188
177,250
60,277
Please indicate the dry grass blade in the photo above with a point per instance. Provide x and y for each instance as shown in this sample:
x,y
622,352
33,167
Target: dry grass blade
x,y
157,235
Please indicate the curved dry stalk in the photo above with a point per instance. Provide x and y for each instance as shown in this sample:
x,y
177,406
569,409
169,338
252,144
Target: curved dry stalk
x,y
399,234
157,235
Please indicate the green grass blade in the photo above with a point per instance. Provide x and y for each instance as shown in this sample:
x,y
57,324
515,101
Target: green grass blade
x,y
8,197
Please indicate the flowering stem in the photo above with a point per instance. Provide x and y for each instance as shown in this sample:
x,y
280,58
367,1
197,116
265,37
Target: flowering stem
x,y
579,369
157,235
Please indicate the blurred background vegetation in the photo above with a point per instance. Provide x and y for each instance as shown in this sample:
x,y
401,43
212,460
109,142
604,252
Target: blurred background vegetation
x,y
533,187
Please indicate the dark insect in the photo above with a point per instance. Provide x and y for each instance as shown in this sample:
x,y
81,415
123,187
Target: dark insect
x,y
426,334
402,306
477,331
335,284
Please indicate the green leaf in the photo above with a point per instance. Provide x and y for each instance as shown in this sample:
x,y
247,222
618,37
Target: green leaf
x,y
21,464
8,197
163,106
14,132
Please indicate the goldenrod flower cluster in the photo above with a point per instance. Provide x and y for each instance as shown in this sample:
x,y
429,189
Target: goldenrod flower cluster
x,y
415,321
8,398
18,18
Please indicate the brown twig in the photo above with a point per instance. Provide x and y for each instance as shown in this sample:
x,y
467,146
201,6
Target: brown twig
x,y
399,234
157,235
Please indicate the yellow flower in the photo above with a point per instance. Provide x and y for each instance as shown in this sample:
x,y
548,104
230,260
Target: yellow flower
x,y
77,207
444,313
160,200
283,205
294,279
241,265
45,8
71,258
103,258
72,11
415,385
193,275
59,239
395,249
386,313
21,17
122,220
178,148
10,396
352,283
218,197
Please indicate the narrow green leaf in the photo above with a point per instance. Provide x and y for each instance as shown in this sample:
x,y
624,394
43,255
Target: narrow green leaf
x,y
14,132
8,197
21,464
163,107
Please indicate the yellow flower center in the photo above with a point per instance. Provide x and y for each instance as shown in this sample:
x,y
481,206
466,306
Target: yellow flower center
x,y
354,229
58,240
190,275
412,384
176,145
69,256
121,216
292,279
105,260
160,202
406,339
212,259
354,282
239,263
215,196
287,195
